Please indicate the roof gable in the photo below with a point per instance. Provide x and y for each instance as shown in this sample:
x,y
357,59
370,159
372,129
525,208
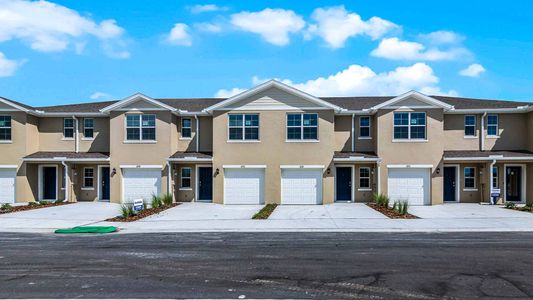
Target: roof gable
x,y
137,101
272,95
413,99
9,105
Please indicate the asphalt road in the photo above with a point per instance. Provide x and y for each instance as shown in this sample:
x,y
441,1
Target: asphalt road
x,y
268,265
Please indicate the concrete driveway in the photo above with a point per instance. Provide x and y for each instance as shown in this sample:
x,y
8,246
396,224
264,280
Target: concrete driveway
x,y
51,218
205,211
328,211
466,211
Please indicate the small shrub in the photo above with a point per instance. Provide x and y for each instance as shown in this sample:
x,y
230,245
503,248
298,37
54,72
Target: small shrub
x,y
381,200
6,206
32,204
404,207
510,205
167,199
265,212
59,201
126,210
157,202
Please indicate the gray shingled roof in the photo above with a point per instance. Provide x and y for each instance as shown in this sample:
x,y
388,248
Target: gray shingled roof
x,y
181,154
68,155
468,154
339,154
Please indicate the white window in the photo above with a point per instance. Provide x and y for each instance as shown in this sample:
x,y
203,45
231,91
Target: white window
x,y
302,126
186,178
409,125
470,177
5,128
243,127
364,126
68,128
186,128
140,127
88,177
470,125
88,128
495,184
364,178
492,125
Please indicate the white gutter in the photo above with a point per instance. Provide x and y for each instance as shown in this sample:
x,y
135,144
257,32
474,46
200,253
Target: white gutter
x,y
60,159
67,185
197,135
488,158
353,132
491,178
356,158
482,135
169,179
191,159
378,163
77,146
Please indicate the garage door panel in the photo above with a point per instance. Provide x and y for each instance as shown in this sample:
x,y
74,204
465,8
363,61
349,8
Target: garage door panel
x,y
7,185
141,184
244,186
301,186
410,185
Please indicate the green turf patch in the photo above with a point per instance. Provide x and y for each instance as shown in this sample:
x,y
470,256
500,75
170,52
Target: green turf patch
x,y
265,212
88,229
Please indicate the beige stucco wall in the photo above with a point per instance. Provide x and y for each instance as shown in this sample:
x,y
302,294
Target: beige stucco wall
x,y
273,151
51,136
363,144
184,194
100,142
530,131
422,153
454,134
139,153
205,143
80,193
343,133
513,130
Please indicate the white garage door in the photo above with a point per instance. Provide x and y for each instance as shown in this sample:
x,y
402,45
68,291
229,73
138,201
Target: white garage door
x,y
244,186
141,183
7,185
409,184
301,186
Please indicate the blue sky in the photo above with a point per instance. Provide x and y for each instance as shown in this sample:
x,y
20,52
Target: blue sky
x,y
80,51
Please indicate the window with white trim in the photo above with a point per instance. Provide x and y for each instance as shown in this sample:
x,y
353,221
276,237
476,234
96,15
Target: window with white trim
x,y
88,177
243,127
302,126
186,128
409,125
364,178
68,128
492,125
470,125
5,128
140,127
495,183
186,177
470,177
88,128
364,126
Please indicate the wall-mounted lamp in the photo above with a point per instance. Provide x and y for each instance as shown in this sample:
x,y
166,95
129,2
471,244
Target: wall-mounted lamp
x,y
113,172
438,171
328,171
217,171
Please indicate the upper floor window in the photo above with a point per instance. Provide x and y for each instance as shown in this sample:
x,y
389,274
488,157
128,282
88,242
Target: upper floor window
x,y
410,125
5,128
302,126
244,127
470,125
186,128
140,127
68,128
470,177
364,126
88,177
88,128
492,125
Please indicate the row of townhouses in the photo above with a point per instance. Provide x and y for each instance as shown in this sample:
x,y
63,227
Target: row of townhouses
x,y
270,144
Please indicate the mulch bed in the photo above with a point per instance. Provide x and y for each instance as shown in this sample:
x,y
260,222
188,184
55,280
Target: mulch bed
x,y
30,207
143,213
265,212
391,213
524,209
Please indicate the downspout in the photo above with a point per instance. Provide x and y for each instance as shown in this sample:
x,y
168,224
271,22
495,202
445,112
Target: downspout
x,y
169,179
197,135
482,133
353,132
67,185
491,179
379,176
76,134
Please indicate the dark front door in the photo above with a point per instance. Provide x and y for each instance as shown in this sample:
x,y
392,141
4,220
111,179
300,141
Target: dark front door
x,y
513,188
49,183
205,183
343,182
104,177
450,181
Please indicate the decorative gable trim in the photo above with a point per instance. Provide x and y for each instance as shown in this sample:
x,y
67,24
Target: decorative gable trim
x,y
273,83
136,97
432,102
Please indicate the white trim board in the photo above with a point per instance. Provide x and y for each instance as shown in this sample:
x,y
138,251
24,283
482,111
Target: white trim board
x,y
302,166
133,98
416,95
410,166
458,182
41,182
523,183
352,167
141,166
244,166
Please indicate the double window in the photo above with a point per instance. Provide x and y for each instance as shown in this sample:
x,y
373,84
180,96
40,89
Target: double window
x,y
409,125
302,126
243,127
88,128
364,127
186,128
470,177
68,128
470,125
492,125
140,127
5,128
364,178
185,178
88,177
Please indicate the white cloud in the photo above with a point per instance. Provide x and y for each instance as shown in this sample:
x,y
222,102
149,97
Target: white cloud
x,y
8,66
273,25
100,96
443,37
396,49
474,70
50,27
361,80
208,27
201,8
179,35
335,25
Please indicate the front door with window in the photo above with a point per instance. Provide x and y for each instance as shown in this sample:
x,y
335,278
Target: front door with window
x,y
49,183
104,183
205,183
450,182
513,188
343,183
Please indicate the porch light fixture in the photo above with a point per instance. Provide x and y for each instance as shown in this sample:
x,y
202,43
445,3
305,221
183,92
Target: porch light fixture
x,y
328,171
114,172
438,171
217,171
